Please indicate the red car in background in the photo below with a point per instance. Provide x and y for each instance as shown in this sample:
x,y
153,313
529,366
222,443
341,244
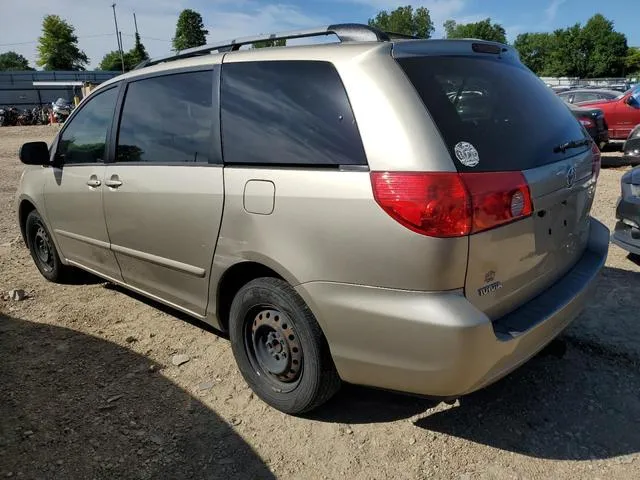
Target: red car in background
x,y
622,114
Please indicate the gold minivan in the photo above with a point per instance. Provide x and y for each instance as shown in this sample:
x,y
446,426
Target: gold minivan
x,y
381,211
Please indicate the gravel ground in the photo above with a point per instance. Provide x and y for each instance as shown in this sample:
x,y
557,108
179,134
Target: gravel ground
x,y
89,390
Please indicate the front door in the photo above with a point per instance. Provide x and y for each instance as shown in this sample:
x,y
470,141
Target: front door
x,y
163,195
74,188
624,116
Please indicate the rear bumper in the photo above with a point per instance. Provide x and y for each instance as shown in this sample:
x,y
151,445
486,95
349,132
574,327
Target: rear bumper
x,y
439,344
631,158
627,232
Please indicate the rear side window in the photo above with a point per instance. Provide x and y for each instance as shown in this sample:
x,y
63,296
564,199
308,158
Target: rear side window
x,y
585,97
167,119
510,118
287,113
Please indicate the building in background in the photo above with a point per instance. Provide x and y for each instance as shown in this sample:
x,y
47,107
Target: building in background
x,y
17,88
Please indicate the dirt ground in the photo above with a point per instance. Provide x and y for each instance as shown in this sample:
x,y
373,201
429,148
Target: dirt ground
x,y
88,390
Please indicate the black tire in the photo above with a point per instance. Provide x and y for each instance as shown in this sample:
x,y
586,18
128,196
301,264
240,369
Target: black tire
x,y
43,250
264,313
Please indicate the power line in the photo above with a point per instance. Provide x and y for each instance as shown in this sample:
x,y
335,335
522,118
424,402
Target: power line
x,y
147,38
89,36
36,41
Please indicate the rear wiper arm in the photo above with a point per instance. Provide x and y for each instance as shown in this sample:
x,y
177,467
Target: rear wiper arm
x,y
563,147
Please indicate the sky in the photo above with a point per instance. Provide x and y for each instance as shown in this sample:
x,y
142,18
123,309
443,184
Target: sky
x,y
21,20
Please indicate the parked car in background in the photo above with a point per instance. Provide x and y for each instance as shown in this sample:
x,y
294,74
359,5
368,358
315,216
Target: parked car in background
x,y
588,95
592,119
235,186
622,114
631,147
627,231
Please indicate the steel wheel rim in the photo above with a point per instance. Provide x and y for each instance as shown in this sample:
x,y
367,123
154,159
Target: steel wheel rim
x,y
43,248
273,347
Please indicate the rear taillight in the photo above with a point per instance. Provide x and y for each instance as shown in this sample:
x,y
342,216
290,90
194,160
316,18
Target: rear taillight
x,y
497,198
434,204
452,204
596,160
587,122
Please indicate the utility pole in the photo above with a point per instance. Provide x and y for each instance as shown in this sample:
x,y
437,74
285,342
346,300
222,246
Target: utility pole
x,y
118,36
135,22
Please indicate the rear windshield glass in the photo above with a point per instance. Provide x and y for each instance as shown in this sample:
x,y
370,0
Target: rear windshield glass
x,y
493,115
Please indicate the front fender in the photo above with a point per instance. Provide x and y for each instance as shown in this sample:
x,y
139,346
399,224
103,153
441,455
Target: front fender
x,y
31,190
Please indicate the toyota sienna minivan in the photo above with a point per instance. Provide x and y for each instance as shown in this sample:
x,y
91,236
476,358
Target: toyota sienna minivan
x,y
382,211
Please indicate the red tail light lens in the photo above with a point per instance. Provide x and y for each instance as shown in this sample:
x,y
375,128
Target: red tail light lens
x,y
587,122
597,159
452,204
434,204
497,198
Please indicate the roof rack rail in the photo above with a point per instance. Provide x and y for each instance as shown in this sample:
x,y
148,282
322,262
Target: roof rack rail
x,y
346,32
401,36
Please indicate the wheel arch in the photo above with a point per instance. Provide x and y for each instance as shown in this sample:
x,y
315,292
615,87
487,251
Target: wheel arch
x,y
232,280
25,207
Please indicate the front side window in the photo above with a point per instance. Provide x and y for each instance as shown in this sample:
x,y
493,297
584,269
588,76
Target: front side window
x,y
287,113
84,139
167,119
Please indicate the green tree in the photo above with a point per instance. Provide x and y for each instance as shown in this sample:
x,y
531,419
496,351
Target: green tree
x,y
568,55
632,61
605,49
13,61
270,43
138,53
405,20
449,27
190,31
111,62
534,49
58,46
483,30
590,51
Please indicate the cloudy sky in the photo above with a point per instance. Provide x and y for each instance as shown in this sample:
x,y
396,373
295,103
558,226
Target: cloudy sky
x,y
93,19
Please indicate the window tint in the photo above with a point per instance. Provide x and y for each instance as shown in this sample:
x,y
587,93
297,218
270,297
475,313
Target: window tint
x,y
167,119
84,138
287,113
513,120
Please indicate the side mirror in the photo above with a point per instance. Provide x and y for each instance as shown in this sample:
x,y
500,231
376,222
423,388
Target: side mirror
x,y
632,102
34,153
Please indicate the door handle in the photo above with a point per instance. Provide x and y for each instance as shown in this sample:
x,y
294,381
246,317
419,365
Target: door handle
x,y
93,182
113,182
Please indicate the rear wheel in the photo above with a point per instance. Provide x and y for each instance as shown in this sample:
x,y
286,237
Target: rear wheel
x,y
43,250
279,347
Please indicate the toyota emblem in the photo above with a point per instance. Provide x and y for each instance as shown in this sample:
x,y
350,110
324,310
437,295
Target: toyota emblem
x,y
571,176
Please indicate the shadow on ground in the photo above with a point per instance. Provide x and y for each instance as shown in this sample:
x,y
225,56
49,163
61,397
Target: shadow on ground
x,y
168,310
76,406
613,159
583,406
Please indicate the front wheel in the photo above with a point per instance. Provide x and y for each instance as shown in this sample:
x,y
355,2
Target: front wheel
x,y
280,348
43,251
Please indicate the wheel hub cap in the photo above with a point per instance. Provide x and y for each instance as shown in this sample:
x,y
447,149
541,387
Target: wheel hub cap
x,y
276,346
43,247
